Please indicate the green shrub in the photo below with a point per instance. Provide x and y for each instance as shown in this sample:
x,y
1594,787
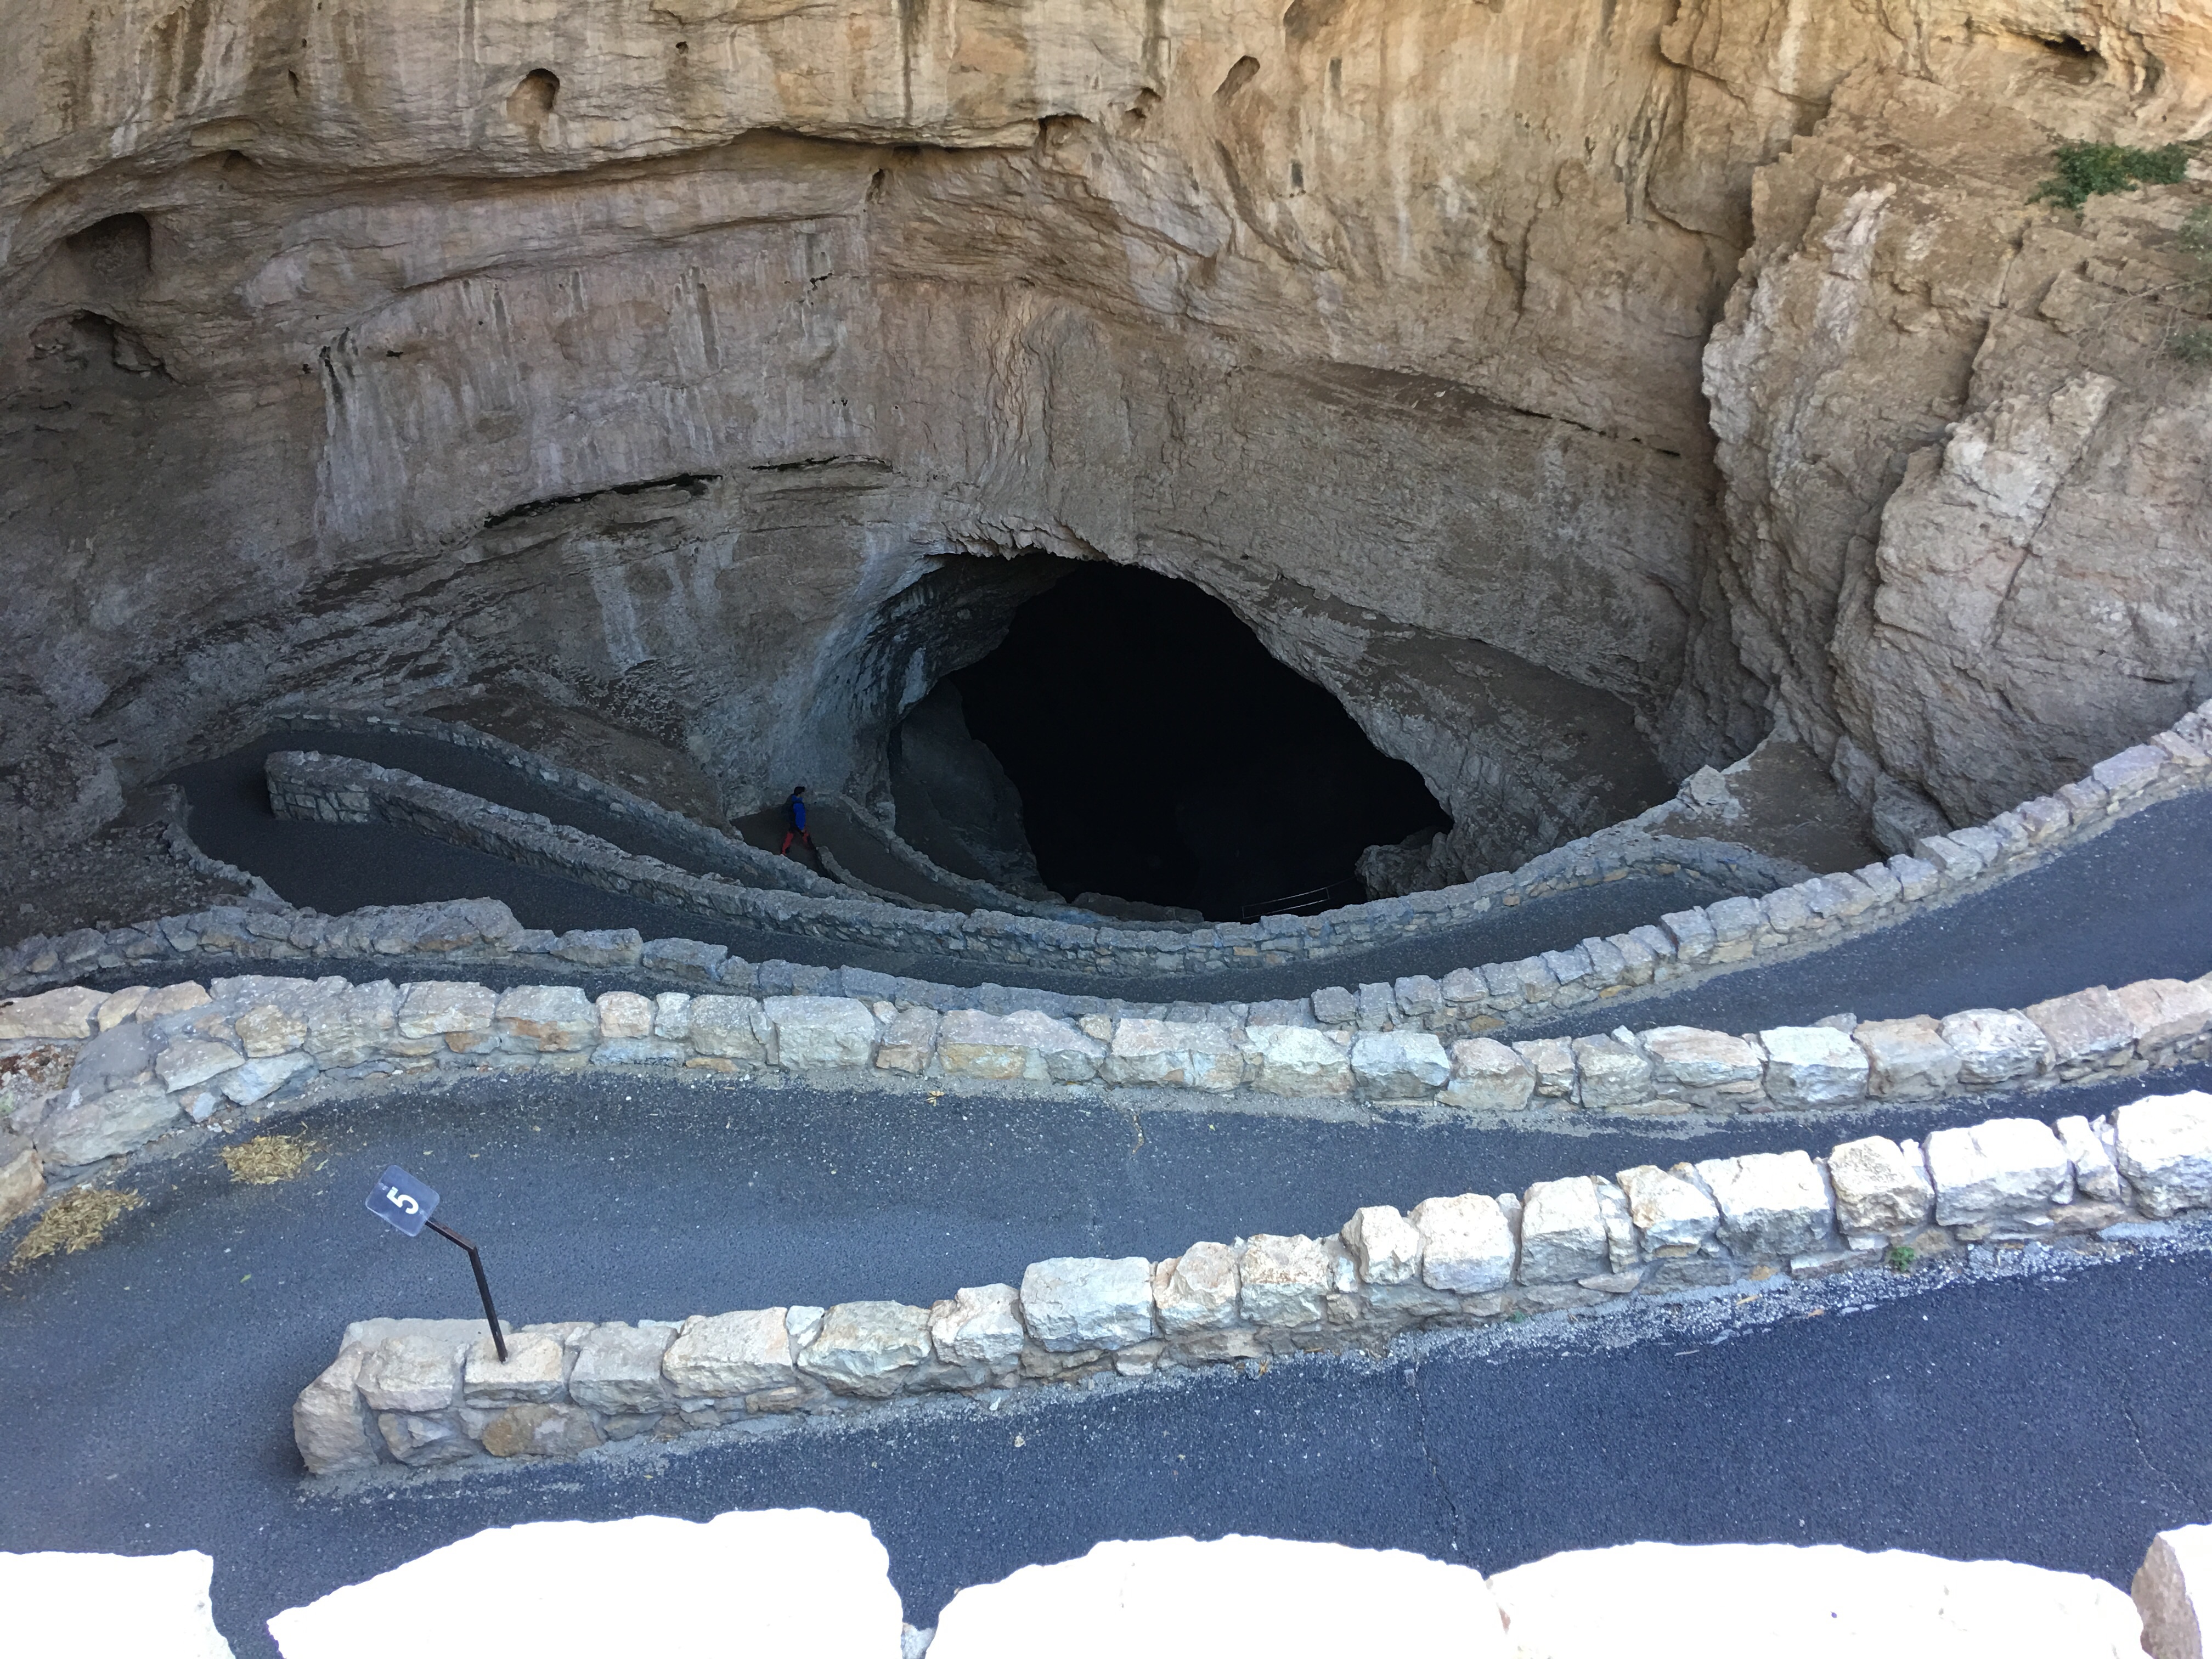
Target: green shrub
x,y
2192,346
1899,1258
2087,170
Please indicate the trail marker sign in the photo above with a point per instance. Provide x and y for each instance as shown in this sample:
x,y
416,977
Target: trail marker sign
x,y
401,1199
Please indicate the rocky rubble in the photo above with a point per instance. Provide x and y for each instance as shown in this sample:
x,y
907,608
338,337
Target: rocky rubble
x,y
424,1392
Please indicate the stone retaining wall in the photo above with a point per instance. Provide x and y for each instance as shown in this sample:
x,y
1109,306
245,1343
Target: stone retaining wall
x,y
767,869
335,789
425,1392
88,1076
764,869
1717,938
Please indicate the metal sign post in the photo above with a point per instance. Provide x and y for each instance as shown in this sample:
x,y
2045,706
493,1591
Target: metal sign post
x,y
406,1203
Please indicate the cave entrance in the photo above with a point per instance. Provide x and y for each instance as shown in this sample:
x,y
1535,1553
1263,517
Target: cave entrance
x,y
1154,752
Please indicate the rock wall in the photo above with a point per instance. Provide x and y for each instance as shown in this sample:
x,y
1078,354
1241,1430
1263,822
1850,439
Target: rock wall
x,y
1966,496
639,358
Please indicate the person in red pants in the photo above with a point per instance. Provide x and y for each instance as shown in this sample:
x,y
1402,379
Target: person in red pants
x,y
794,813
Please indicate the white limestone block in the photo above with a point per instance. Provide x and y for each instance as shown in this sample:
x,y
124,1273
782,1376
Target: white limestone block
x,y
865,1348
1812,1066
1299,1062
1467,1244
1816,1601
981,1325
1399,1065
625,1014
1176,1598
110,1607
721,1356
2163,1148
2009,1166
1074,1303
417,1373
69,1014
1028,1046
534,1372
1197,1290
730,1028
445,1008
1772,1204
1614,1074
187,1062
1670,1208
1173,1054
1563,1235
1707,1068
2095,1175
1386,1246
1486,1076
815,1034
1907,1059
1995,1045
329,1424
1880,1187
763,1581
1284,1280
86,1131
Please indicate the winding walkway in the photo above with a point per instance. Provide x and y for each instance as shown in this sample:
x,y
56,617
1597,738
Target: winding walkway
x,y
150,1381
2055,1420
2131,903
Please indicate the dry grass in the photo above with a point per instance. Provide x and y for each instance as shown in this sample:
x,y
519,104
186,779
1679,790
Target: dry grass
x,y
267,1159
75,1221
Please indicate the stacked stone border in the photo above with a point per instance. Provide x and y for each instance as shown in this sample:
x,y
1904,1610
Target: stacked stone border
x,y
1805,916
334,789
715,847
424,1392
90,1076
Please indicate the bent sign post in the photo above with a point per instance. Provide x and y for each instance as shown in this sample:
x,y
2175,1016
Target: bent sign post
x,y
406,1203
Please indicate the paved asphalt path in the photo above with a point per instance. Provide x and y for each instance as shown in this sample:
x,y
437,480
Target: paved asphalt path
x,y
149,1381
2058,1420
2131,904
335,868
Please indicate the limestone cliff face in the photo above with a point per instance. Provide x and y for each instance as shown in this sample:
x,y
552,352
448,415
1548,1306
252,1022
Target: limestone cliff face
x,y
1966,491
691,361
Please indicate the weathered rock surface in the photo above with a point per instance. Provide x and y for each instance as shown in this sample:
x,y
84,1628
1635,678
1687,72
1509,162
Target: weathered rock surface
x,y
1075,1303
2172,1591
2165,1150
1393,328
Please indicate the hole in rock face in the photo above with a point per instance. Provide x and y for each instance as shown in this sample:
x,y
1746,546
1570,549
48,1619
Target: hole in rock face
x,y
117,251
531,101
1161,755
2077,63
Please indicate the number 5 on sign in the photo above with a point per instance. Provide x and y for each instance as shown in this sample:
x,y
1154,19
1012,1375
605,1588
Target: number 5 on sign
x,y
401,1199
406,1203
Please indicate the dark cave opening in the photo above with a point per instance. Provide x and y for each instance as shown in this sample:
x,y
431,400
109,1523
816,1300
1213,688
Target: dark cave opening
x,y
1162,755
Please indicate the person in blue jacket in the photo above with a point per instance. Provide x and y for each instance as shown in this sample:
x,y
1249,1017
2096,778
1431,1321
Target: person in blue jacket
x,y
794,813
